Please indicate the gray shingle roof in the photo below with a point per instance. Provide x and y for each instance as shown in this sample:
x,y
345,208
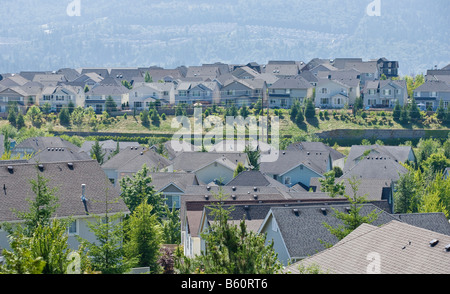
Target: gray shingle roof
x,y
294,82
402,249
317,161
16,188
399,153
160,180
316,147
192,161
433,86
302,230
132,159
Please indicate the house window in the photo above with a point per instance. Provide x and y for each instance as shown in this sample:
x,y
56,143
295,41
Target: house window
x,y
137,104
387,92
172,200
324,91
72,229
324,101
433,94
416,94
182,93
287,180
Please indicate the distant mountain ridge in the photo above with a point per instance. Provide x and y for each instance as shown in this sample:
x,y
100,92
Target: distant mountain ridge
x,y
39,35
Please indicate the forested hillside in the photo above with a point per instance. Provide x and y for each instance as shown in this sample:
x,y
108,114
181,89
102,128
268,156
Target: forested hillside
x,y
39,35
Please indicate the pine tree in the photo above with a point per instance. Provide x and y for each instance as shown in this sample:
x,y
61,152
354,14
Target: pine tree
x,y
310,111
97,152
144,237
396,113
230,248
351,219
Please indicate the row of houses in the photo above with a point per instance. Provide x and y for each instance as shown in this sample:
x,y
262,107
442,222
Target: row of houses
x,y
283,199
332,83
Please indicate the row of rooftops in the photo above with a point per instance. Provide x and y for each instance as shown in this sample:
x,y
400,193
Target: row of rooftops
x,y
280,74
252,193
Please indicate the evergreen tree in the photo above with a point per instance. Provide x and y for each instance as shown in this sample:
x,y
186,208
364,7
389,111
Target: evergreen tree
x,y
253,157
138,188
12,116
171,225
144,237
440,111
310,111
20,122
106,253
358,105
414,112
97,152
148,78
41,208
110,105
230,249
396,113
351,219
64,117
240,168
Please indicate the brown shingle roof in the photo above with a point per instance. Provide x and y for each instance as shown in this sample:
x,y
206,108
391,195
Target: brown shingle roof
x,y
16,188
401,249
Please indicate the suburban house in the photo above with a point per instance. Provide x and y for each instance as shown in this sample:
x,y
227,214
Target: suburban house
x,y
34,145
210,167
337,158
403,154
171,186
282,68
333,93
371,189
393,248
99,93
10,96
298,167
369,70
298,231
108,147
385,93
285,91
86,179
196,198
60,96
131,160
430,94
387,67
243,91
374,166
143,95
203,72
197,92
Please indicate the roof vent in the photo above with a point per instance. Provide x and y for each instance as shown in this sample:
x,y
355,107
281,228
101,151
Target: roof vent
x,y
10,169
41,167
206,197
208,188
233,196
246,207
255,196
70,165
447,248
324,210
255,189
233,188
433,242
296,211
